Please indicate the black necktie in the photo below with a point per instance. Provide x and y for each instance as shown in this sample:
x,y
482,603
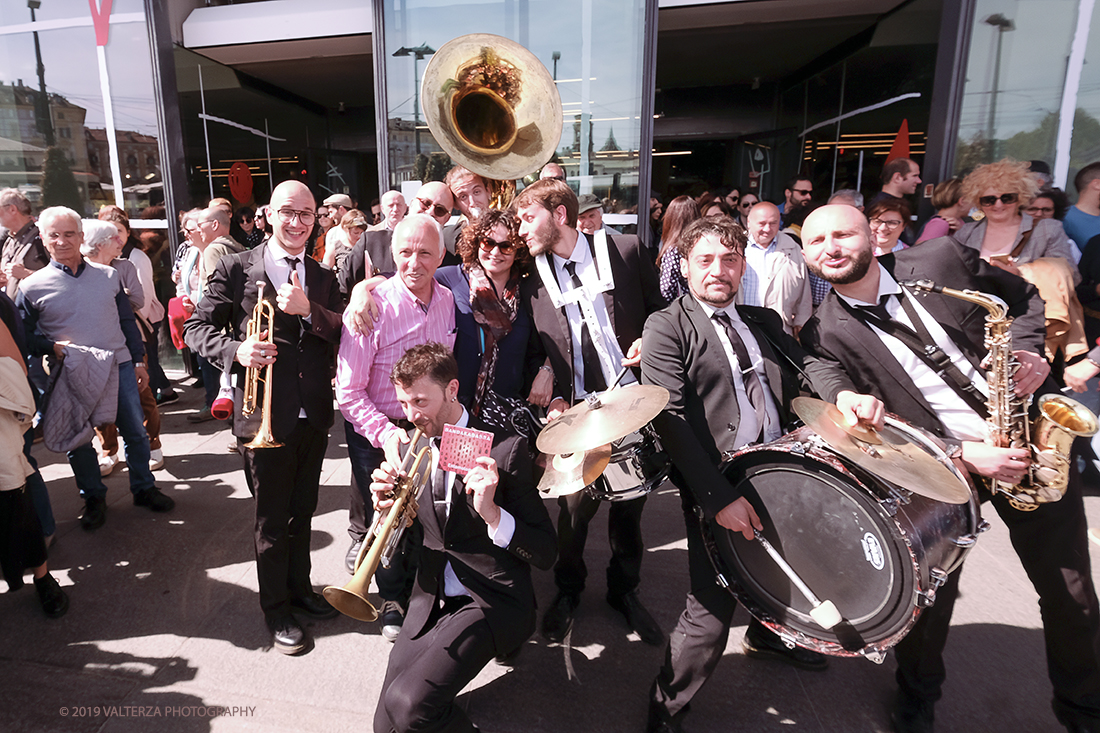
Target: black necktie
x,y
593,369
753,388
879,311
293,262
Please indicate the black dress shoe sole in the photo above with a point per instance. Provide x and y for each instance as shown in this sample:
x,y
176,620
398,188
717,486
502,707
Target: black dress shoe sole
x,y
786,656
288,649
320,615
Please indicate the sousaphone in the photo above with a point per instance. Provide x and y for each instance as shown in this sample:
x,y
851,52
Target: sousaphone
x,y
493,107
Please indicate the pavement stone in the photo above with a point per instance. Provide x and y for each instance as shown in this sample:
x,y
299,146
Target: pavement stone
x,y
164,621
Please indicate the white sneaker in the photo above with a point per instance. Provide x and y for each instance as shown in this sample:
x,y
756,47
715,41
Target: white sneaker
x,y
156,459
107,464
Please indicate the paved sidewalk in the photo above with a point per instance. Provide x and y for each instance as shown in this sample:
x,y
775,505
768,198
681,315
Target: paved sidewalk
x,y
165,622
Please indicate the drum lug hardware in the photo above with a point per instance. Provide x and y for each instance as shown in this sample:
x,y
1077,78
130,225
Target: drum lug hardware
x,y
983,526
721,580
937,576
891,506
788,640
926,599
966,541
878,657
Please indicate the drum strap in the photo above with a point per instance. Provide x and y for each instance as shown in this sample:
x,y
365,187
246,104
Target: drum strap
x,y
921,343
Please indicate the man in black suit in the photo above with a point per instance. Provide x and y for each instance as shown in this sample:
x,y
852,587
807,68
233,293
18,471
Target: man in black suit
x,y
588,305
307,329
473,599
689,348
850,329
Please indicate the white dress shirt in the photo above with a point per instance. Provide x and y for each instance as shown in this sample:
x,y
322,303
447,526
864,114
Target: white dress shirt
x,y
586,271
749,426
957,417
501,536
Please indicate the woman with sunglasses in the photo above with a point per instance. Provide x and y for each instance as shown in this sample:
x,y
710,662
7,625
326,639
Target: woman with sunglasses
x,y
748,200
1005,236
493,329
887,218
243,228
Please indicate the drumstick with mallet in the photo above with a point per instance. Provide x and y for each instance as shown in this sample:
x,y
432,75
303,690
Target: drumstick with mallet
x,y
824,613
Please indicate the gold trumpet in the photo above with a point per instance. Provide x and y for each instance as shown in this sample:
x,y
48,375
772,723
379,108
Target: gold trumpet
x,y
384,534
263,319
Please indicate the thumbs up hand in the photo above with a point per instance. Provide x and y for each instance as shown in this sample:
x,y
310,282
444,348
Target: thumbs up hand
x,y
291,298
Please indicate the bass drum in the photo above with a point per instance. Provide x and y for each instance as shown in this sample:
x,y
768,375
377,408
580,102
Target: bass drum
x,y
877,551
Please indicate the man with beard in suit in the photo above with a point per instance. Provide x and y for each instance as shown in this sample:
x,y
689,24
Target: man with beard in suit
x,y
728,370
866,326
588,305
306,327
473,599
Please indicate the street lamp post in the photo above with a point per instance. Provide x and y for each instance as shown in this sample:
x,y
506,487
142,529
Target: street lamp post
x,y
418,53
1003,25
45,124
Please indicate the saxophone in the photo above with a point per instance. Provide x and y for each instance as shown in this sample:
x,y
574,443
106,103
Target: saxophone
x,y
1060,419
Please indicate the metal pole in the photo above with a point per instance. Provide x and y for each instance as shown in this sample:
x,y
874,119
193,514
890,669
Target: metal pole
x,y
206,134
993,96
416,102
45,119
267,145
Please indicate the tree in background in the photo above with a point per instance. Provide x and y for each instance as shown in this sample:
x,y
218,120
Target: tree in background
x,y
58,182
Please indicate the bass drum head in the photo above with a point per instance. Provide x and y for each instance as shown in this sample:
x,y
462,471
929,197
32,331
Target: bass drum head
x,y
839,540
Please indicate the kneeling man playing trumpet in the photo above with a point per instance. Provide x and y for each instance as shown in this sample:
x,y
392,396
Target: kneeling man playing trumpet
x,y
473,599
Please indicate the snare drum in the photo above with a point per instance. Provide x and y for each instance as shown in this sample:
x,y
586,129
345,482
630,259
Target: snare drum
x,y
877,551
638,465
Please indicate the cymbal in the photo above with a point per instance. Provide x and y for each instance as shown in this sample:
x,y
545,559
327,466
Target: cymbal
x,y
568,474
888,454
621,412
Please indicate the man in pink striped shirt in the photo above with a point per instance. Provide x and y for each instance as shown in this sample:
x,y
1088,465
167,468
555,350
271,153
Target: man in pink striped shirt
x,y
414,309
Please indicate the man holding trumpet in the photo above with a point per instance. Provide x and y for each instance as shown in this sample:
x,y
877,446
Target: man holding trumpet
x,y
299,343
473,599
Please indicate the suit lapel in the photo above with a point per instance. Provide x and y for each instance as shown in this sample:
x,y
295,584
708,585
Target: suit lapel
x,y
772,369
556,315
704,326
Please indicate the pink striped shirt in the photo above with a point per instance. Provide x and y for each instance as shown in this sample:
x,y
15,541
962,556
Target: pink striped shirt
x,y
363,389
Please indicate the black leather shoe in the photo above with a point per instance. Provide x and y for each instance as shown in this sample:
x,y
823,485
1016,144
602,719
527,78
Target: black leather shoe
x,y
154,499
54,600
352,556
657,722
912,714
315,606
95,513
758,647
638,618
287,635
558,618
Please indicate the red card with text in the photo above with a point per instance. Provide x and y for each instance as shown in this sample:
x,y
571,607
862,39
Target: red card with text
x,y
459,448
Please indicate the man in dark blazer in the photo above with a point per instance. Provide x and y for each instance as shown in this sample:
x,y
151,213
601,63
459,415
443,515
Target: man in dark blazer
x,y
585,360
307,328
688,349
1050,541
376,243
473,599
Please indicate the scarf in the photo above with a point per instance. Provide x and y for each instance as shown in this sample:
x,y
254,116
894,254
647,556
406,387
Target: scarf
x,y
495,314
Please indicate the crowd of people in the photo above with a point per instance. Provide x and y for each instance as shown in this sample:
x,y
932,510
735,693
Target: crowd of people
x,y
407,318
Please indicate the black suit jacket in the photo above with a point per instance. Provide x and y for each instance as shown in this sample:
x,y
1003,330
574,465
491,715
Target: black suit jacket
x,y
303,369
681,352
636,294
499,579
835,334
354,269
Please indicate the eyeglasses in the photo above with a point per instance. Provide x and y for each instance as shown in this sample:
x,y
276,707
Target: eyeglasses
x,y
1040,209
488,245
748,204
438,210
803,191
889,226
732,200
305,217
1005,198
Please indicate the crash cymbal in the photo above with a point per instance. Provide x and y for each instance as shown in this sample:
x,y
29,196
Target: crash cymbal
x,y
620,412
568,474
888,454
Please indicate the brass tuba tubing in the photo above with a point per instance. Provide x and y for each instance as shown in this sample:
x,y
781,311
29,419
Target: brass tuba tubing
x,y
263,319
385,531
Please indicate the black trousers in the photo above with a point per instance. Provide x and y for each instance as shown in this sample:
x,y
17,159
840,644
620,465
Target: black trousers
x,y
426,673
624,533
284,481
1052,544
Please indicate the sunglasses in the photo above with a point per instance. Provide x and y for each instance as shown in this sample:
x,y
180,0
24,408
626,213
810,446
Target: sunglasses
x,y
803,191
1005,198
438,210
748,204
488,245
1040,209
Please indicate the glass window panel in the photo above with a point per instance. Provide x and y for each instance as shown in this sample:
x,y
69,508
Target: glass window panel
x,y
598,78
1085,146
1014,78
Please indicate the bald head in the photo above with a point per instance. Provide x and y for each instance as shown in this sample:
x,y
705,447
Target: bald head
x,y
763,223
290,202
393,208
836,242
435,200
552,170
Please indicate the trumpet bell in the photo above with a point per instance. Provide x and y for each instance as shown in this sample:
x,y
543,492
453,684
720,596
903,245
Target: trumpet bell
x,y
492,106
351,602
